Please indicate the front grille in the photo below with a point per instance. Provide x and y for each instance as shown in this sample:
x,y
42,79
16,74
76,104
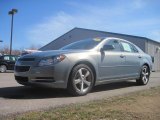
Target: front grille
x,y
22,68
26,59
44,79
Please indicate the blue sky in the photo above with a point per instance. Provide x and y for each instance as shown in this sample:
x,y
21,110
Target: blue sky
x,y
38,22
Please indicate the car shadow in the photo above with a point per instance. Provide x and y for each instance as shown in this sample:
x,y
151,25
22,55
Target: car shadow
x,y
113,86
24,92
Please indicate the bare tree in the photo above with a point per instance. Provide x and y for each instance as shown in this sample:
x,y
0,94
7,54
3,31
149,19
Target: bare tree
x,y
5,49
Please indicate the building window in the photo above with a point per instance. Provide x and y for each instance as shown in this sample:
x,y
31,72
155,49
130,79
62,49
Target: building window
x,y
152,59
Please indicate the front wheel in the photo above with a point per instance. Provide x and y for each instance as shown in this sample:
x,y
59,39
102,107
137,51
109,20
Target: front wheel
x,y
81,80
144,76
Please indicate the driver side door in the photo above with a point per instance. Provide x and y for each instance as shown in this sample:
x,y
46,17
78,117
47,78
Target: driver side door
x,y
111,62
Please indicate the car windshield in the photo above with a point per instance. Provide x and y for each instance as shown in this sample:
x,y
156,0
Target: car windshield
x,y
83,44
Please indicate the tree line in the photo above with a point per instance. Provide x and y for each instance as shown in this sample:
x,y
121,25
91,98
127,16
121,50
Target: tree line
x,y
5,49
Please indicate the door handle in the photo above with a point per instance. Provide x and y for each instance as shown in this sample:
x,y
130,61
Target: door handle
x,y
122,56
139,56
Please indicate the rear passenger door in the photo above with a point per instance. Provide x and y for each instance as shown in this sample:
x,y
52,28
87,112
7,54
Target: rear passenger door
x,y
132,59
12,62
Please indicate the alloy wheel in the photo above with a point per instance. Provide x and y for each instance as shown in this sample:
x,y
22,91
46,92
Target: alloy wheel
x,y
145,74
82,80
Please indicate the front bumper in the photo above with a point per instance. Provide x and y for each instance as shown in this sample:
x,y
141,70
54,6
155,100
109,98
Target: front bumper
x,y
48,76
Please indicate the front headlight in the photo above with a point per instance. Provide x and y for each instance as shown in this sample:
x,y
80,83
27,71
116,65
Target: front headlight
x,y
51,60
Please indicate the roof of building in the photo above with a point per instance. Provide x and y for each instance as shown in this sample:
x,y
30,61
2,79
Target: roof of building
x,y
119,34
145,38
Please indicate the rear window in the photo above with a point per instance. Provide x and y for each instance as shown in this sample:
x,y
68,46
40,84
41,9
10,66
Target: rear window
x,y
127,47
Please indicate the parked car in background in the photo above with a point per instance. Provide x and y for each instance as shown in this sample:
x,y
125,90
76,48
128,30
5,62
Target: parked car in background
x,y
84,64
7,62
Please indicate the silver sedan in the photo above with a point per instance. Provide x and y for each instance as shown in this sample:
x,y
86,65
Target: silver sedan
x,y
83,64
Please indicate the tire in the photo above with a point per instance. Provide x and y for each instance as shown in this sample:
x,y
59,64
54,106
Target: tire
x,y
81,80
3,68
144,76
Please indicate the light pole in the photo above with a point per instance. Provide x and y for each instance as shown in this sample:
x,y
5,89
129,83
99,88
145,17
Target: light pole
x,y
12,12
0,49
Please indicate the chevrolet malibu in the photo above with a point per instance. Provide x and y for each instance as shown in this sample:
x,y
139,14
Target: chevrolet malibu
x,y
84,64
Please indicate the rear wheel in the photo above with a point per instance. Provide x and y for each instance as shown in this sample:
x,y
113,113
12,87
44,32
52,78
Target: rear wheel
x,y
3,68
81,80
144,76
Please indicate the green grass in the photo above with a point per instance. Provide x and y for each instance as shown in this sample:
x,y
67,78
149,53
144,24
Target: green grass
x,y
116,108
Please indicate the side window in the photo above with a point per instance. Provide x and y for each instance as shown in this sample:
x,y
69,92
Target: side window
x,y
6,57
127,47
115,44
12,58
134,49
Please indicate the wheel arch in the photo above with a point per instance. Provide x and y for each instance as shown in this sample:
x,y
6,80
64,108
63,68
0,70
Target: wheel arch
x,y
4,64
147,66
89,64
140,80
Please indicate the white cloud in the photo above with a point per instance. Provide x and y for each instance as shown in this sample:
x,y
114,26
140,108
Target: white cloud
x,y
92,17
51,28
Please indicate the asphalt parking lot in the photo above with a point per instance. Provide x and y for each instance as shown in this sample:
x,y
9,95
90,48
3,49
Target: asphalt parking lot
x,y
15,98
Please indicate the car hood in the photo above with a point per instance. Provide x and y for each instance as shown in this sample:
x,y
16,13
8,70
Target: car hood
x,y
53,53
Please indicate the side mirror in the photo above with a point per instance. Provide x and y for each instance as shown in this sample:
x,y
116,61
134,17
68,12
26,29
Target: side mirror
x,y
107,48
